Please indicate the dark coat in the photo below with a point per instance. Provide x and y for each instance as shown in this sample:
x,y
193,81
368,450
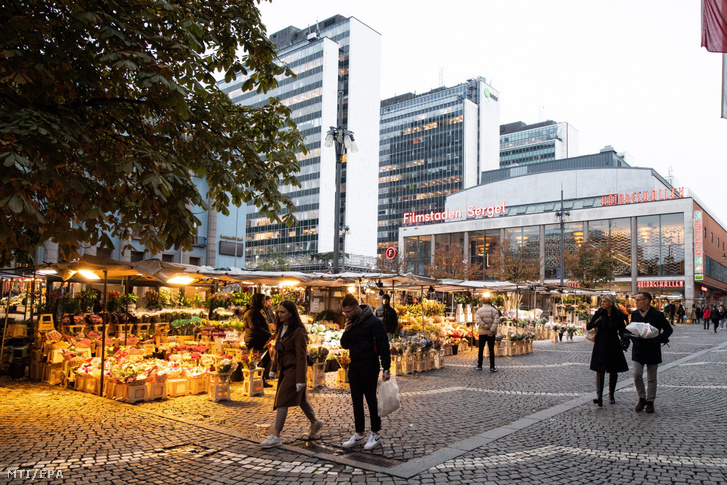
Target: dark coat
x,y
291,363
607,355
388,316
257,331
366,341
648,351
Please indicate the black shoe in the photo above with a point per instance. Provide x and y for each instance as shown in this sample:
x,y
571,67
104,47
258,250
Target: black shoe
x,y
598,401
641,405
650,407
611,399
479,367
493,370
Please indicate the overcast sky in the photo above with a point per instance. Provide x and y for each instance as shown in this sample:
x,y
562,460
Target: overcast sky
x,y
626,73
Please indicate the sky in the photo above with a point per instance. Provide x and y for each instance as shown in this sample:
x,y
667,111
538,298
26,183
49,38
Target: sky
x,y
627,73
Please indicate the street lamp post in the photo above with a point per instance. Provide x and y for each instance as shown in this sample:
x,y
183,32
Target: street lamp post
x,y
343,138
561,215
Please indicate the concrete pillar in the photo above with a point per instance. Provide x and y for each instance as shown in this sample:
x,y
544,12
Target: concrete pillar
x,y
634,256
211,236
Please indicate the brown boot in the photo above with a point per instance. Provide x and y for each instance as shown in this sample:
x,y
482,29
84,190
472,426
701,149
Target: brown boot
x,y
641,405
650,407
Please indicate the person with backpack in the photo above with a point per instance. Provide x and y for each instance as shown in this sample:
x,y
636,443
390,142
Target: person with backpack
x,y
386,313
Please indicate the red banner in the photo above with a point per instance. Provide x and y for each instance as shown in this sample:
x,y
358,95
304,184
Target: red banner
x,y
714,25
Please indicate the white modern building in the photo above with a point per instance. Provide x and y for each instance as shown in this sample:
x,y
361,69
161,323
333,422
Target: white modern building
x,y
664,239
522,144
339,53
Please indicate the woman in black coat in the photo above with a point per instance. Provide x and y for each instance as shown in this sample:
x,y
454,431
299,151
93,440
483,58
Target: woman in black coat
x,y
607,355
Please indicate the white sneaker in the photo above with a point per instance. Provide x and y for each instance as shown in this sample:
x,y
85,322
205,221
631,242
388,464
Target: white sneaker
x,y
354,441
374,441
315,430
271,442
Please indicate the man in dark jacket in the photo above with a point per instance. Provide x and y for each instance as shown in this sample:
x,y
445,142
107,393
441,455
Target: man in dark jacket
x,y
647,352
257,331
388,316
365,338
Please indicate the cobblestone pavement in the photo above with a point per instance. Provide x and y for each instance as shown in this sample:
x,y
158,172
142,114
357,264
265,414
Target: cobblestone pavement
x,y
533,422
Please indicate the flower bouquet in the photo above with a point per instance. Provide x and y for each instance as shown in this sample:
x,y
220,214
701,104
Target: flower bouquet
x,y
344,359
250,360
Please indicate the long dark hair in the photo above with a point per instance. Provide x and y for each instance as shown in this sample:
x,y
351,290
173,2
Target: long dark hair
x,y
294,321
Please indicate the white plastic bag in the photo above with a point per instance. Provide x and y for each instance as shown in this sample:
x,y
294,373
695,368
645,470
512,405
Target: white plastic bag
x,y
642,329
388,397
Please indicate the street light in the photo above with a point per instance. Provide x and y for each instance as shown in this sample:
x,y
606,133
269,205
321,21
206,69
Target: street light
x,y
562,216
343,138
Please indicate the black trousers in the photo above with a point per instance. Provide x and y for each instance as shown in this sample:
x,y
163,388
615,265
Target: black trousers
x,y
362,380
491,346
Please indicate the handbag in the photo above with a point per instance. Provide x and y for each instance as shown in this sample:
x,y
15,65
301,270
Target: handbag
x,y
591,334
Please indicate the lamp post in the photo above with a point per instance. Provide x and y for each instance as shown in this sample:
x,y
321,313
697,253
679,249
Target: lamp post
x,y
344,141
561,215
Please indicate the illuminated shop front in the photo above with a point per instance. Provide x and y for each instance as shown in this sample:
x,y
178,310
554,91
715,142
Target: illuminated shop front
x,y
664,240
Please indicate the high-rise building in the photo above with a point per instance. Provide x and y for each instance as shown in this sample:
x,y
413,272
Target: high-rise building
x,y
522,144
432,145
339,53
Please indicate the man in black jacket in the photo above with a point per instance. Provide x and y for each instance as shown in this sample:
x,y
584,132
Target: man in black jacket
x,y
647,352
365,338
388,316
257,331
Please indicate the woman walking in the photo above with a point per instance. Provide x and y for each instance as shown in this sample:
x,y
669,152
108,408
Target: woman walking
x,y
291,353
607,355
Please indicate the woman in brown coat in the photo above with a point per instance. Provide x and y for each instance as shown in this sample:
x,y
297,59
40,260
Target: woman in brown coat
x,y
291,362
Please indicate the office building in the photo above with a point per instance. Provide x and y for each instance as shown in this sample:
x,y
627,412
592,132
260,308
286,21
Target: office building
x,y
522,144
433,145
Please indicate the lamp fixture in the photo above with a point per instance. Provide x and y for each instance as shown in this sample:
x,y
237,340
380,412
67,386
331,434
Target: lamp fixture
x,y
180,280
88,274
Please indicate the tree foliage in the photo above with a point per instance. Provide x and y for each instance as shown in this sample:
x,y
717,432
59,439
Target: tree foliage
x,y
450,262
110,109
397,265
591,264
275,260
514,263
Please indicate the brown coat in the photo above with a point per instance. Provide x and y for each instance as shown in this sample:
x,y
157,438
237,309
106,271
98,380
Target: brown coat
x,y
292,365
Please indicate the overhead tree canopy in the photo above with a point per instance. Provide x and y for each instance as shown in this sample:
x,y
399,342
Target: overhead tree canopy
x,y
450,262
110,109
591,264
515,263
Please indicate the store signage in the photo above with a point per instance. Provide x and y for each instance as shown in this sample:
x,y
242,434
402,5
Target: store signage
x,y
642,196
698,246
391,252
661,284
472,211
704,288
411,217
232,238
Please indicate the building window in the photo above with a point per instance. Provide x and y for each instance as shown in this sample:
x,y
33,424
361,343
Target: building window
x,y
195,260
618,233
660,241
137,256
104,252
168,258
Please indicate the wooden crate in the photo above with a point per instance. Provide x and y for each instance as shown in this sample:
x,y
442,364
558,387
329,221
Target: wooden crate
x,y
177,387
87,383
317,375
53,373
17,330
197,385
157,390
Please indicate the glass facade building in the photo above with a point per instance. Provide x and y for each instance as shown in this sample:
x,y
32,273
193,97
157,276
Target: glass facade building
x,y
540,142
433,145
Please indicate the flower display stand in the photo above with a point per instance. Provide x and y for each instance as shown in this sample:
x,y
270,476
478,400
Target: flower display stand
x,y
438,358
197,385
36,371
396,366
53,374
432,363
554,336
142,328
408,364
253,382
135,391
448,349
317,375
156,390
219,392
177,387
45,324
87,383
342,375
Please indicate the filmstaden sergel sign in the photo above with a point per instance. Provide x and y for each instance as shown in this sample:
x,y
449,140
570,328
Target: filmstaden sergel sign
x,y
472,211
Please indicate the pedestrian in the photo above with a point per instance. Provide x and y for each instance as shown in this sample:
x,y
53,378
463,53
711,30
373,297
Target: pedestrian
x,y
487,319
365,338
291,365
669,312
680,313
386,313
714,316
607,354
268,305
257,331
698,313
706,314
722,316
647,352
